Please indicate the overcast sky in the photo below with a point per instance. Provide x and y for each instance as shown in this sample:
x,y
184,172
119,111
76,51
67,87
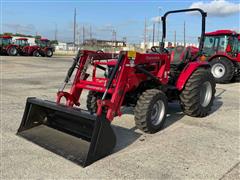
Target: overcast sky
x,y
125,17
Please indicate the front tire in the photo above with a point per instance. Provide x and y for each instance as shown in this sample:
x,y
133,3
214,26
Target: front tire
x,y
150,111
49,53
198,94
92,98
222,69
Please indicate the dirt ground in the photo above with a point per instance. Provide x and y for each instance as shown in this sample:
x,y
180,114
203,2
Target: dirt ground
x,y
187,148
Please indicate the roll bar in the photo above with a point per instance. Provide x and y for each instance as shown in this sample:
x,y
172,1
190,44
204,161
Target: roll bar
x,y
204,15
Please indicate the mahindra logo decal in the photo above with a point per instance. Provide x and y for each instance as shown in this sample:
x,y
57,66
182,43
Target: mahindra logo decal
x,y
152,57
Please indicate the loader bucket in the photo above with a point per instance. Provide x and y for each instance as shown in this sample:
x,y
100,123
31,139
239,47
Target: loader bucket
x,y
70,132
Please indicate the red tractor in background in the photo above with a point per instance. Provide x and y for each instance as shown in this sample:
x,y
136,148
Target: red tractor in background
x,y
44,47
222,49
25,49
23,46
7,47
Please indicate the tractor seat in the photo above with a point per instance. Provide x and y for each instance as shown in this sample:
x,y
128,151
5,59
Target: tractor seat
x,y
180,54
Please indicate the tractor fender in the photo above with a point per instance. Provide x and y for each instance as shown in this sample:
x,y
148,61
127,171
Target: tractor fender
x,y
223,55
32,49
187,72
11,45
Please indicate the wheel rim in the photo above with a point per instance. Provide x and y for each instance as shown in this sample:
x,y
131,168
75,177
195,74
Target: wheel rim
x,y
37,54
218,70
158,112
13,51
49,53
205,93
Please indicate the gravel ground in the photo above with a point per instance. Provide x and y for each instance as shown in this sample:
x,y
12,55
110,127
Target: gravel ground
x,y
187,148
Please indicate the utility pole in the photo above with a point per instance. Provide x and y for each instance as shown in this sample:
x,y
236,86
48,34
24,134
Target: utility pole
x,y
114,37
83,35
159,23
184,34
153,40
78,35
145,33
55,32
125,40
90,32
175,38
74,29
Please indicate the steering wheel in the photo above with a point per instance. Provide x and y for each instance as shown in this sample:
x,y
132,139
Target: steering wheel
x,y
153,49
99,51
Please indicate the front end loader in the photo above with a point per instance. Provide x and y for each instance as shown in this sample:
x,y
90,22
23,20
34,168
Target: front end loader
x,y
145,81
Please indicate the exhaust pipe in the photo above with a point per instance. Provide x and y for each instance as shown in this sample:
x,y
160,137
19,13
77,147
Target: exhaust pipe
x,y
58,128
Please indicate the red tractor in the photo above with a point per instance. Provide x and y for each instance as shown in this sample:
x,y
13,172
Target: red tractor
x,y
42,47
25,49
23,45
222,49
7,47
45,48
145,81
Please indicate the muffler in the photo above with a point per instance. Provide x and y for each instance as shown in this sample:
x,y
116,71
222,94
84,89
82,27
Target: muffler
x,y
70,132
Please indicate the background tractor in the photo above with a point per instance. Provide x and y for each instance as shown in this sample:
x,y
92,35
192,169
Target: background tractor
x,y
7,47
42,48
45,48
222,49
23,46
145,81
25,49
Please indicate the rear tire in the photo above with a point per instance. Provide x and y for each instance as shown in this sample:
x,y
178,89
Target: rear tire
x,y
150,111
236,78
222,69
198,94
12,51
